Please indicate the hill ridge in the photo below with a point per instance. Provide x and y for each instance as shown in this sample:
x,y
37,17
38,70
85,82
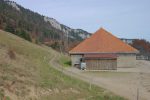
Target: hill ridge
x,y
37,28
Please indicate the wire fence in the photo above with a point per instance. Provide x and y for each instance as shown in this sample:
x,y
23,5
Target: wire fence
x,y
142,57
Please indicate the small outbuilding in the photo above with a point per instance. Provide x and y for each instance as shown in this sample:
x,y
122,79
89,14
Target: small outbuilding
x,y
103,51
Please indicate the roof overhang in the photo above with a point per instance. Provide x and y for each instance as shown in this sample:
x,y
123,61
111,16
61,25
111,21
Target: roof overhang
x,y
100,56
80,53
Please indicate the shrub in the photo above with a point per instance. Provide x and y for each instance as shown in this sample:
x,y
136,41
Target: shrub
x,y
67,63
11,54
1,94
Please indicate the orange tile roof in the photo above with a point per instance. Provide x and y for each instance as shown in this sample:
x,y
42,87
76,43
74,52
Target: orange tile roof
x,y
103,42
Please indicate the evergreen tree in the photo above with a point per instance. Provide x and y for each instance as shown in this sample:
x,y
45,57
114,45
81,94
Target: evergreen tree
x,y
9,28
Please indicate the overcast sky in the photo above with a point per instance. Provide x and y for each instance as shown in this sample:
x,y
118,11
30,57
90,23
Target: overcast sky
x,y
123,18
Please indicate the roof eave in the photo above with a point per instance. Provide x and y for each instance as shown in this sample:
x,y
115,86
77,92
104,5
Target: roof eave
x,y
136,52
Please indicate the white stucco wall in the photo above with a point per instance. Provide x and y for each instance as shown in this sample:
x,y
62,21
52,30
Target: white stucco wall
x,y
75,59
123,60
126,60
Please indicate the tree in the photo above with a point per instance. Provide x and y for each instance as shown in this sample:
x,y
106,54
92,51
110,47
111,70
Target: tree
x,y
9,28
142,45
22,33
25,35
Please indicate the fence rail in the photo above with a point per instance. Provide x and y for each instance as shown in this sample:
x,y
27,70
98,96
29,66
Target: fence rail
x,y
141,57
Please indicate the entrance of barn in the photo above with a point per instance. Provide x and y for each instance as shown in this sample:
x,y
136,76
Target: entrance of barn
x,y
100,61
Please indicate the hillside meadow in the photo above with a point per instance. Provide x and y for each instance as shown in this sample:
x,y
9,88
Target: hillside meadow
x,y
27,74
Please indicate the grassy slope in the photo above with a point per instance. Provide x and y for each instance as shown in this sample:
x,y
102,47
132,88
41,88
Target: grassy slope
x,y
25,74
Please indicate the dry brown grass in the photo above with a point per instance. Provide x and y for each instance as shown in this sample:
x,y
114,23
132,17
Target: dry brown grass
x,y
25,71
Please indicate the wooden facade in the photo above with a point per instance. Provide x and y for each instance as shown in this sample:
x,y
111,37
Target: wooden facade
x,y
101,64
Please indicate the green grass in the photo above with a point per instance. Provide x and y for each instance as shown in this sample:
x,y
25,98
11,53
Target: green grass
x,y
65,61
33,73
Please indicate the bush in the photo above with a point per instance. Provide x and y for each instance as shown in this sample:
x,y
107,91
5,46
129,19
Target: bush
x,y
23,34
67,63
10,28
11,54
1,94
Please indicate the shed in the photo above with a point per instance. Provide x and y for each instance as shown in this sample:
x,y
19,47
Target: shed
x,y
104,51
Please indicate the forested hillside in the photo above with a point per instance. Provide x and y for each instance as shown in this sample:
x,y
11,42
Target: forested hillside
x,y
37,28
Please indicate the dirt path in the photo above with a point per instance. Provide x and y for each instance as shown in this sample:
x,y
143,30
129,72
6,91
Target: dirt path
x,y
69,72
124,82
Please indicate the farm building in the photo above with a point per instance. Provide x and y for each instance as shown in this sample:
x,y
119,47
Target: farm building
x,y
103,51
